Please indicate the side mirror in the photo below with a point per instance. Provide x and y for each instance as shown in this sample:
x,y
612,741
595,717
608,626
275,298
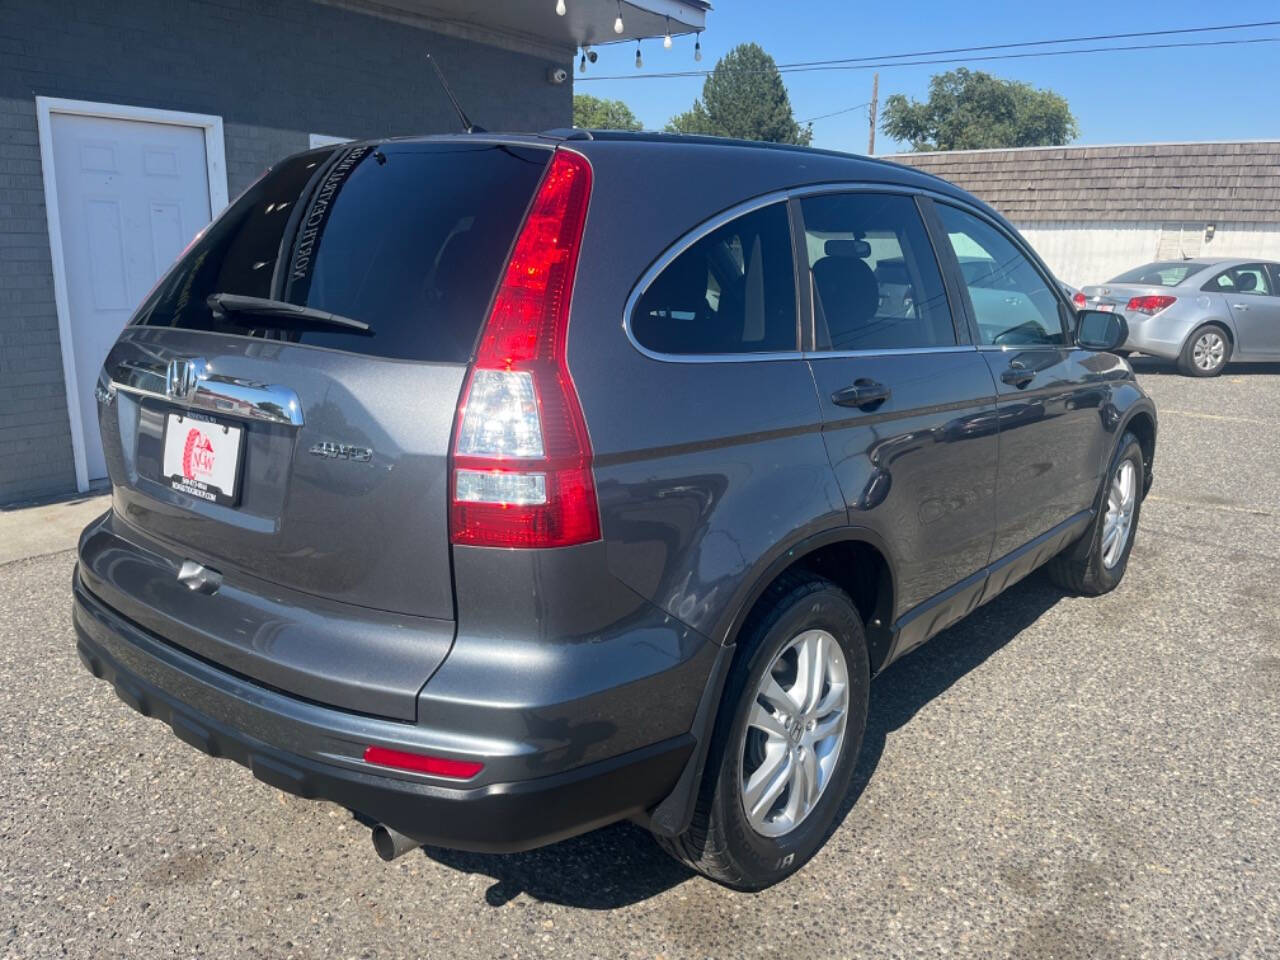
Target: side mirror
x,y
1100,330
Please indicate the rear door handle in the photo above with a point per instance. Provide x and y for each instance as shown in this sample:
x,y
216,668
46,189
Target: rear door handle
x,y
863,393
1239,306
1018,376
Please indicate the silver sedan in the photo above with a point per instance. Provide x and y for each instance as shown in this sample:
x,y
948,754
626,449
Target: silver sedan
x,y
1201,313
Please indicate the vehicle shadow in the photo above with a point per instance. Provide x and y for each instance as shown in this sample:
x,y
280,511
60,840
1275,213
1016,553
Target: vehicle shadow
x,y
621,865
1156,366
929,670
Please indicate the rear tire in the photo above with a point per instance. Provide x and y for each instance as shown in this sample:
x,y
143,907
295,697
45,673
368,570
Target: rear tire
x,y
1206,352
1095,563
756,745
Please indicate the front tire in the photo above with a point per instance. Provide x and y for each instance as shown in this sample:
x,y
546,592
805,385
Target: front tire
x,y
1206,352
1095,563
786,739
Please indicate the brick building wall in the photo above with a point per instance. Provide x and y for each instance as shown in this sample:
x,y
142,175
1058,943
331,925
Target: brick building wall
x,y
274,70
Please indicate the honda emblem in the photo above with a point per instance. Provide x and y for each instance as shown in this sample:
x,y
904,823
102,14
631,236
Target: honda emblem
x,y
181,379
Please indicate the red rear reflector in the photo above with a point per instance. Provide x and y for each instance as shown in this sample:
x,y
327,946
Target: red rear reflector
x,y
553,503
421,763
1150,305
1079,300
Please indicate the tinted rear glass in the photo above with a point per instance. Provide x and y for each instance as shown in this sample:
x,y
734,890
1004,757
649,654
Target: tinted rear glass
x,y
1168,274
733,291
406,237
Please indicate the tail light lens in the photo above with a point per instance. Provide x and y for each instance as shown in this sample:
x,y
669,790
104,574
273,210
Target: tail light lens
x,y
422,763
1149,305
1079,300
521,474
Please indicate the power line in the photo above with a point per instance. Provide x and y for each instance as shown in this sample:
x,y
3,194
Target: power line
x,y
1039,53
916,63
836,113
1040,43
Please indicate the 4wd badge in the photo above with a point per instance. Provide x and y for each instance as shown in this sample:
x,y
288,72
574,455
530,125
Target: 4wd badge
x,y
340,451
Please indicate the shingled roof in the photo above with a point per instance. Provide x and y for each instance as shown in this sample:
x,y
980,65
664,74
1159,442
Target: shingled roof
x,y
1154,181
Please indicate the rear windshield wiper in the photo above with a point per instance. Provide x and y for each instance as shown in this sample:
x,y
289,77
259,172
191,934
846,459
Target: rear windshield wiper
x,y
224,305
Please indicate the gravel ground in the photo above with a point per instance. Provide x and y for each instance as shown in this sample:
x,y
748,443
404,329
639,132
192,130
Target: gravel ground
x,y
1054,777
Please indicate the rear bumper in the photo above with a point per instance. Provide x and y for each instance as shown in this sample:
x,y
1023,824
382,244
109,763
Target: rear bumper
x,y
1155,336
315,751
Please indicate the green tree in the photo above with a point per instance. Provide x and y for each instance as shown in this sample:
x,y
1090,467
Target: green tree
x,y
972,110
744,97
596,113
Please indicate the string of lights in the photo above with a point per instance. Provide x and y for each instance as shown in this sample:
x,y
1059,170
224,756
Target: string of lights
x,y
884,61
619,27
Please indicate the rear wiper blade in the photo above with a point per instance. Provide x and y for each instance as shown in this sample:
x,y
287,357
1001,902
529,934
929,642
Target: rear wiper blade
x,y
226,304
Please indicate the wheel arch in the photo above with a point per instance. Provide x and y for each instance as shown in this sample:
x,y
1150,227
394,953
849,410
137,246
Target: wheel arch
x,y
1225,322
856,559
821,553
1141,422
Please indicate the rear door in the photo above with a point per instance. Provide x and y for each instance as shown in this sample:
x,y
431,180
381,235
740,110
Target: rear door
x,y
313,454
1253,298
1052,445
908,405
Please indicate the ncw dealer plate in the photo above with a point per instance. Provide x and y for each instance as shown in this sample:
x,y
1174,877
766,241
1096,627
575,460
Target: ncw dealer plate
x,y
202,458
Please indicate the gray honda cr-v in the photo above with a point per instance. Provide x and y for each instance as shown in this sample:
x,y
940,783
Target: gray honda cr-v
x,y
500,487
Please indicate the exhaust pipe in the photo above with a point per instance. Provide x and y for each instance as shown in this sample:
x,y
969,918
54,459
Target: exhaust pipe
x,y
392,843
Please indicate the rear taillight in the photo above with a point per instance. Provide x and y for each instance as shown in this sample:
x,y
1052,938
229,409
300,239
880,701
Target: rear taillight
x,y
1149,305
521,472
1079,300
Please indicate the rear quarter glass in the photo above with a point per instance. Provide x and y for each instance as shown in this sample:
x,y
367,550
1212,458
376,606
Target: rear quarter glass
x,y
407,237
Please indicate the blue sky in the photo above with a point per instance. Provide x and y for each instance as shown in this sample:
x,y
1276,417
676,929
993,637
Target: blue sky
x,y
1205,93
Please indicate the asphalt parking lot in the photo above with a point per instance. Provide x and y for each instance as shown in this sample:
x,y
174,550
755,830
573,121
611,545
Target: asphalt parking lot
x,y
1053,777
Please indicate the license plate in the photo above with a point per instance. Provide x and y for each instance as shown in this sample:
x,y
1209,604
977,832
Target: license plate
x,y
202,458
1106,307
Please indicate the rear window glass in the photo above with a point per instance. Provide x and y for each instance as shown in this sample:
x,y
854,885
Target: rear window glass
x,y
408,238
1168,274
733,291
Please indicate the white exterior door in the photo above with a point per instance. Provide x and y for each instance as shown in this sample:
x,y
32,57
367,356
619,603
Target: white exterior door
x,y
130,196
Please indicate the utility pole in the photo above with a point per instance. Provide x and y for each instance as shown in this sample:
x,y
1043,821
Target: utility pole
x,y
875,102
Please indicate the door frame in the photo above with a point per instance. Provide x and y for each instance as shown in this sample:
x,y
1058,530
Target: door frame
x,y
216,175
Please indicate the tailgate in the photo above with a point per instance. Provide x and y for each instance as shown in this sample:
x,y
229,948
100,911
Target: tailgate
x,y
342,469
276,418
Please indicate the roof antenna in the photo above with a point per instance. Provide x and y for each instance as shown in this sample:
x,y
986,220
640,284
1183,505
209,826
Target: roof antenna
x,y
467,125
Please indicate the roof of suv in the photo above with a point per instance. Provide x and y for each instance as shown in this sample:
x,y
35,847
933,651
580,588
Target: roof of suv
x,y
563,134
651,136
787,165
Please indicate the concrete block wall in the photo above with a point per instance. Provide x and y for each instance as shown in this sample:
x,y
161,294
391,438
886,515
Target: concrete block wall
x,y
276,71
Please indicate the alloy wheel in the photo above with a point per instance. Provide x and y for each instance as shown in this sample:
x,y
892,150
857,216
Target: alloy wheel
x,y
795,730
1122,497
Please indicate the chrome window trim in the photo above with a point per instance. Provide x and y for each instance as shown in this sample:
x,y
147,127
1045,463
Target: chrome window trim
x,y
1019,347
750,206
888,351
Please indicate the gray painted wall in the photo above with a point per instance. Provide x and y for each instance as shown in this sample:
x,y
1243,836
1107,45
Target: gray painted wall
x,y
274,70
